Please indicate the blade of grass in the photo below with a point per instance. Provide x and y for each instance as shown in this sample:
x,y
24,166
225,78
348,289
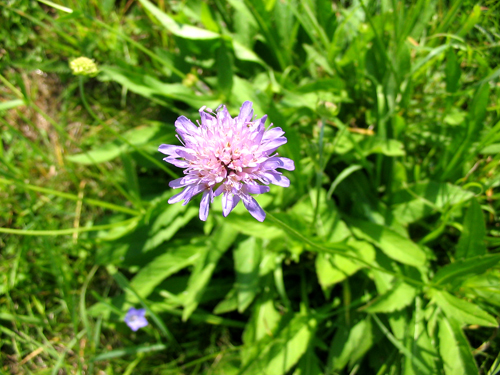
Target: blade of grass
x,y
127,351
83,307
56,6
341,177
73,197
69,231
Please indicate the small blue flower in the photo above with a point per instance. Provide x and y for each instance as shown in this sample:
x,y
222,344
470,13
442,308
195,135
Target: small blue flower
x,y
135,318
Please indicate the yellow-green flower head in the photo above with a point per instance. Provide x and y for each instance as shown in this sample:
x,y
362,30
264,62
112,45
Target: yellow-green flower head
x,y
83,66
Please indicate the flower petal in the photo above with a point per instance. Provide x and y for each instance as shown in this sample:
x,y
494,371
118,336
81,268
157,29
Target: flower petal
x,y
184,181
260,130
246,112
176,162
253,207
169,149
255,189
182,195
219,190
288,164
195,190
205,204
277,162
272,134
227,203
223,114
137,323
206,119
185,126
188,193
271,164
277,178
272,145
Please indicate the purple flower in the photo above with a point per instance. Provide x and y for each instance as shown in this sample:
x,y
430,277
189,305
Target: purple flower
x,y
233,157
135,318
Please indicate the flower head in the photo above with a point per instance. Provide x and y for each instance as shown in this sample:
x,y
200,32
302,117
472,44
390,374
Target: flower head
x,y
135,318
234,157
83,66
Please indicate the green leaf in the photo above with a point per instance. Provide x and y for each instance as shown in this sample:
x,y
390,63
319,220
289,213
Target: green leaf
x,y
452,71
243,53
455,349
396,298
350,344
128,351
106,152
420,345
495,367
490,77
131,180
378,145
333,268
264,320
475,123
251,227
246,264
285,350
207,19
492,149
399,345
471,241
4,315
9,104
309,364
151,87
472,20
161,267
205,266
391,243
229,303
316,57
224,65
462,311
424,198
138,136
342,176
484,286
424,60
456,272
176,28
132,247
243,90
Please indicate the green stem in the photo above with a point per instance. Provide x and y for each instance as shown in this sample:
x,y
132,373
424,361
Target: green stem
x,y
62,232
319,173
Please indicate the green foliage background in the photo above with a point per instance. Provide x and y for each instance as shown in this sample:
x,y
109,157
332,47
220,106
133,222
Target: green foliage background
x,y
380,258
